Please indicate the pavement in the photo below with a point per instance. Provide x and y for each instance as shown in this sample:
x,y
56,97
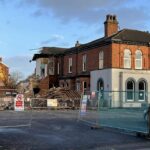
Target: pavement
x,y
61,130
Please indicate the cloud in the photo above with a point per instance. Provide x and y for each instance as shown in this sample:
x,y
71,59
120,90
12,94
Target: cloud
x,y
39,13
53,38
20,64
3,1
91,11
8,22
133,18
66,10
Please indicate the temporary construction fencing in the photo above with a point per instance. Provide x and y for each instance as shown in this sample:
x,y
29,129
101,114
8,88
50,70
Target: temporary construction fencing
x,y
14,112
116,109
89,108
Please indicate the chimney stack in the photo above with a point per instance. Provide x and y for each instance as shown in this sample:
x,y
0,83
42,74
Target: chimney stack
x,y
77,44
110,25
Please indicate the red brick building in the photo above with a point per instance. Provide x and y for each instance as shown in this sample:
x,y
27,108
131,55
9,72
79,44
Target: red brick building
x,y
5,89
119,61
4,72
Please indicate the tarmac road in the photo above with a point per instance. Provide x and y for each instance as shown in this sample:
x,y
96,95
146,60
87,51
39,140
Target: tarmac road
x,y
60,130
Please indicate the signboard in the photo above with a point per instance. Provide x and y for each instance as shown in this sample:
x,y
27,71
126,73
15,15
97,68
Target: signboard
x,y
52,103
19,102
83,105
93,95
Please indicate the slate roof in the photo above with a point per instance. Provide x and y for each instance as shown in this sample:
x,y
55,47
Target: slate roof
x,y
124,35
129,36
132,36
52,50
48,51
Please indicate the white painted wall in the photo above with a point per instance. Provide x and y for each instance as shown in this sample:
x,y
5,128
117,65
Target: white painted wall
x,y
38,67
106,75
46,70
115,80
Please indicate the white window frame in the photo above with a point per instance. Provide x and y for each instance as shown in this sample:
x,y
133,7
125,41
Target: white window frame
x,y
127,58
101,60
51,66
58,68
144,90
78,86
42,70
138,60
132,90
70,65
84,61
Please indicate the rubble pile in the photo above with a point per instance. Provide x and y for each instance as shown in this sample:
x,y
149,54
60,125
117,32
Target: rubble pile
x,y
6,104
66,98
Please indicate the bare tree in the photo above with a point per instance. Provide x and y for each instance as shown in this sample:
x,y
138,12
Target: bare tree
x,y
15,77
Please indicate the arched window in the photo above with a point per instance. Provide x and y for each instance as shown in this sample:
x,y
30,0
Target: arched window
x,y
127,58
130,90
101,59
100,85
138,59
142,90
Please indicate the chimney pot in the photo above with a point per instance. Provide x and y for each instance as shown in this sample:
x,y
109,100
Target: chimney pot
x,y
77,44
111,25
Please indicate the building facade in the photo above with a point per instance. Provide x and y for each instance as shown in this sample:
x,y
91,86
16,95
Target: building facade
x,y
4,73
119,61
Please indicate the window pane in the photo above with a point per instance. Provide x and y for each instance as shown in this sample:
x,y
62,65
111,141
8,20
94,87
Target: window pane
x,y
84,63
127,59
100,64
138,54
142,90
70,65
130,90
141,86
130,85
138,64
142,95
127,63
138,59
130,95
101,59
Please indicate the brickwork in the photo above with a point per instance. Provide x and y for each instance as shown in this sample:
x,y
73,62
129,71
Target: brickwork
x,y
48,82
111,25
87,80
66,64
112,45
92,56
4,72
118,55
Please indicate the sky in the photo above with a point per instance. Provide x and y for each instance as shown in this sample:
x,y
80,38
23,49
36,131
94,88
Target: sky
x,y
27,25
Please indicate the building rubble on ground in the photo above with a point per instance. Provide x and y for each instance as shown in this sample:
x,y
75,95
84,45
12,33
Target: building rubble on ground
x,y
66,98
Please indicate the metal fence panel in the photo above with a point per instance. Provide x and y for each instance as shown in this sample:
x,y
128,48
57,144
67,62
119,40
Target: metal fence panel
x,y
124,110
89,106
11,118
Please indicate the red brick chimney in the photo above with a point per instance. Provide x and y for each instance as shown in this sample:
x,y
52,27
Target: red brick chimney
x,y
110,25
